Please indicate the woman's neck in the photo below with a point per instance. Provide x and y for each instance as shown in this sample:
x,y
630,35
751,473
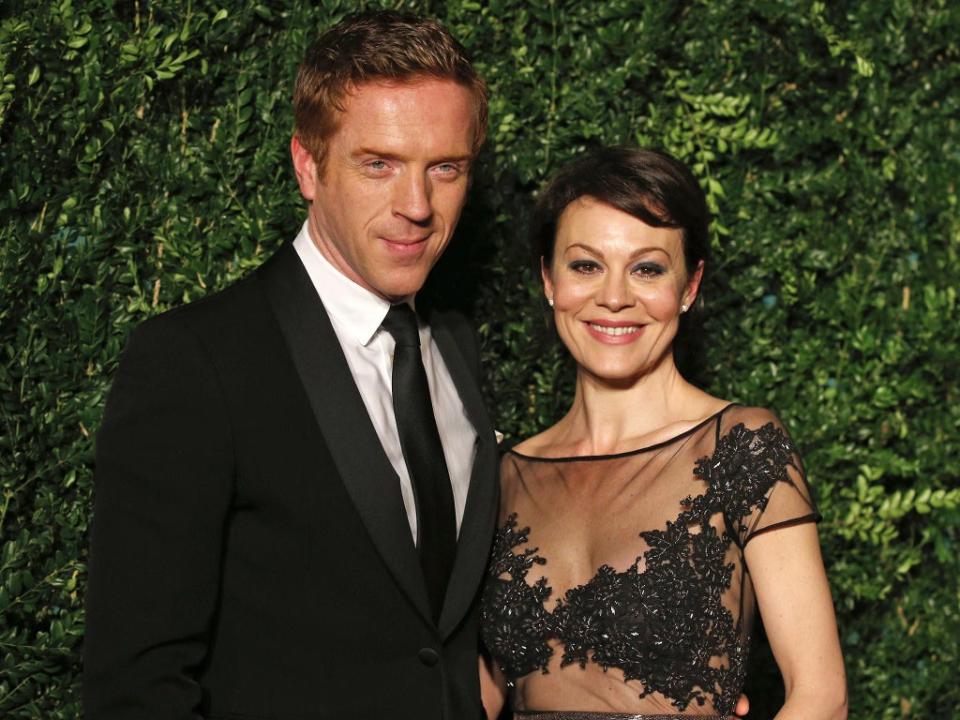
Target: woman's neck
x,y
610,417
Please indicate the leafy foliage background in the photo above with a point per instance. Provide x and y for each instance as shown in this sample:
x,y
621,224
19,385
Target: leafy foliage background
x,y
143,163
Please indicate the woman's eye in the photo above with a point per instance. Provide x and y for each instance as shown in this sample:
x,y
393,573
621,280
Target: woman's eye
x,y
648,269
585,267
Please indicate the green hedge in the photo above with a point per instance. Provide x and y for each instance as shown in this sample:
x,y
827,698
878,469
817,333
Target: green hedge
x,y
143,163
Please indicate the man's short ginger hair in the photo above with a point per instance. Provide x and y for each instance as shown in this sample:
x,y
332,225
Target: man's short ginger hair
x,y
373,46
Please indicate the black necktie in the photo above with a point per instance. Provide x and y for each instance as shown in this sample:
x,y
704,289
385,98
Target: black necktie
x,y
423,453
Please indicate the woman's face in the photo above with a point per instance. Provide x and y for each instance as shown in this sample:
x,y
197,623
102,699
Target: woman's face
x,y
617,286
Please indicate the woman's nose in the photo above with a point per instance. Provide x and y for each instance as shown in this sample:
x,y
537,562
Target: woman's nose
x,y
614,293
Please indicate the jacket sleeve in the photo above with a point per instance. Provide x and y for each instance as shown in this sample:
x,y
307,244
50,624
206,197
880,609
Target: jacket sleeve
x,y
163,483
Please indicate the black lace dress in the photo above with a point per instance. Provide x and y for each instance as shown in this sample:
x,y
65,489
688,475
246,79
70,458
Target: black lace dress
x,y
617,585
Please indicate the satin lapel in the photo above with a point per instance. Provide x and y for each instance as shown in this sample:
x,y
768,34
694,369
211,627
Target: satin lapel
x,y
364,468
479,515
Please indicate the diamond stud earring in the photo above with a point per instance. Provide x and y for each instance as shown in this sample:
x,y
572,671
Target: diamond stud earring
x,y
684,308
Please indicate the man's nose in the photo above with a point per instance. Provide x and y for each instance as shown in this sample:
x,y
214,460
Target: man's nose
x,y
412,200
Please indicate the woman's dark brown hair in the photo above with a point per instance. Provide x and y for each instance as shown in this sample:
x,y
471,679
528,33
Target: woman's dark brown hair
x,y
649,184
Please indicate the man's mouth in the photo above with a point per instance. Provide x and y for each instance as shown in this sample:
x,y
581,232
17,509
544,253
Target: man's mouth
x,y
406,241
405,246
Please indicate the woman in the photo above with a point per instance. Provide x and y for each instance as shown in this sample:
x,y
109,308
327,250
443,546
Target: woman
x,y
638,532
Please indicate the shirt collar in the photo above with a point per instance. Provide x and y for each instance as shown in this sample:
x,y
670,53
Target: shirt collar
x,y
357,311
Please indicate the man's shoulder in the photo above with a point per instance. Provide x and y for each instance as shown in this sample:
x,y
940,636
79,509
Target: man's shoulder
x,y
212,309
234,311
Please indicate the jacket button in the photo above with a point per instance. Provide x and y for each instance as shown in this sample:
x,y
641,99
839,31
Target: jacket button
x,y
428,656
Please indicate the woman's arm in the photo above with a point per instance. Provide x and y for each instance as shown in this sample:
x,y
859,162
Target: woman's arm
x,y
794,600
493,688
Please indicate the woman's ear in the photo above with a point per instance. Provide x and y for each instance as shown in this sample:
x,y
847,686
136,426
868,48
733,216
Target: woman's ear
x,y
693,286
547,282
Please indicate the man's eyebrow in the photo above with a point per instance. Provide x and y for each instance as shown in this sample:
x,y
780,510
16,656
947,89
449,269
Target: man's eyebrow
x,y
373,152
456,158
387,155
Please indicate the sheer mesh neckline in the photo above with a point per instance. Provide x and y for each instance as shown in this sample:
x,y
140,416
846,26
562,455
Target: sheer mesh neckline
x,y
675,622
625,453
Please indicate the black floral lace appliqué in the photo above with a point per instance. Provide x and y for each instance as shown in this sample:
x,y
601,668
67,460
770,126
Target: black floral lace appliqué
x,y
664,626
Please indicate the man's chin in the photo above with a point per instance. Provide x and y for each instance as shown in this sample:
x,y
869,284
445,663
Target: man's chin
x,y
395,290
400,277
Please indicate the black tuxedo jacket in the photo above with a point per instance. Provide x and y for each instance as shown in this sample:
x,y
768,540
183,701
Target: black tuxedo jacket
x,y
251,557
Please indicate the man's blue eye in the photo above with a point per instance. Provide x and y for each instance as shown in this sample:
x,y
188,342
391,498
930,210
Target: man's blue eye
x,y
449,170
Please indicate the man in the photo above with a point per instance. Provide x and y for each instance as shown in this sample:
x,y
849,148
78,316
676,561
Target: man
x,y
294,501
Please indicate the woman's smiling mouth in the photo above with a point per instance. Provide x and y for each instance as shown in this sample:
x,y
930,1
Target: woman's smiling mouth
x,y
614,332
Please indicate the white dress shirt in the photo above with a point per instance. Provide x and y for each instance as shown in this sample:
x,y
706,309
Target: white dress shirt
x,y
356,315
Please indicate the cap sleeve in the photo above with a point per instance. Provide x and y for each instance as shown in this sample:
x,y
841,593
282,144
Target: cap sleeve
x,y
788,502
758,475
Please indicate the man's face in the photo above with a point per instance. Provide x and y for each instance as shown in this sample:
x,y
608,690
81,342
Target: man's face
x,y
394,180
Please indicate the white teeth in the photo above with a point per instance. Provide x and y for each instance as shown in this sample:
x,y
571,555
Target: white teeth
x,y
615,330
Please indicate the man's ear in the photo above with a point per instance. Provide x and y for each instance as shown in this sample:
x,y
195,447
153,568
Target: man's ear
x,y
305,168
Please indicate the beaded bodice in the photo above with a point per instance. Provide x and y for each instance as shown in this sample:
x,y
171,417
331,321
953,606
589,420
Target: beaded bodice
x,y
668,605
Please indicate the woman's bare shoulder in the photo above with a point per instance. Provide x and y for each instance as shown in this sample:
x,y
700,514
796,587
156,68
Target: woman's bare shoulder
x,y
543,444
